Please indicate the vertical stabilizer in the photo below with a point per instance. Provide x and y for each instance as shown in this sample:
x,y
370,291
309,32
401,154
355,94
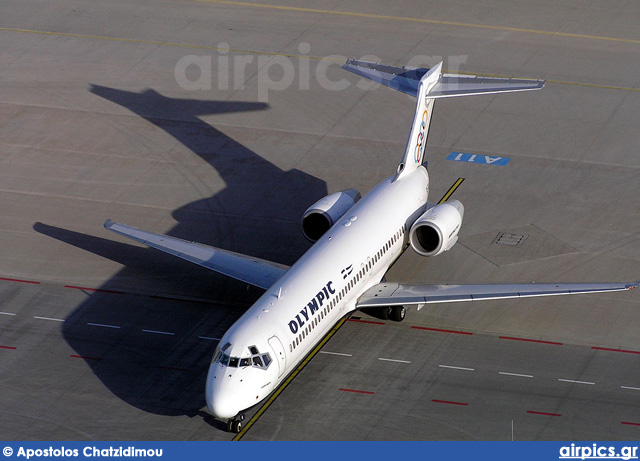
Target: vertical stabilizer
x,y
414,152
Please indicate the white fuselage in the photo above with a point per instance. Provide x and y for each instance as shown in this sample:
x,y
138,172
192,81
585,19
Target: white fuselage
x,y
315,293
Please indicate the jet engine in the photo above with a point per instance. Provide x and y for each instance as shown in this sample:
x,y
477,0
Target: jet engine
x,y
436,231
323,214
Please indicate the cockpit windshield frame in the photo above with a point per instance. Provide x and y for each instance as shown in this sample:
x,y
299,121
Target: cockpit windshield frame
x,y
256,359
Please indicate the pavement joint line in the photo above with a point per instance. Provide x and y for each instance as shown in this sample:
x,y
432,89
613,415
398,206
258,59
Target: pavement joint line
x,y
314,58
159,43
420,20
630,388
456,368
6,313
48,318
575,382
515,374
208,338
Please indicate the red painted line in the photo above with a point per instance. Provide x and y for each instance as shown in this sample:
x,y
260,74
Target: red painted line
x,y
543,413
366,321
174,368
630,424
356,391
443,331
99,290
19,280
450,402
83,357
530,340
8,347
614,350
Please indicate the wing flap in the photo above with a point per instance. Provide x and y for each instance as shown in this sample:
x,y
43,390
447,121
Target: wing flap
x,y
253,271
394,294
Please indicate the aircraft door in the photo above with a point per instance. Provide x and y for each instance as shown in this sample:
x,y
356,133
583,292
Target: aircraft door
x,y
278,349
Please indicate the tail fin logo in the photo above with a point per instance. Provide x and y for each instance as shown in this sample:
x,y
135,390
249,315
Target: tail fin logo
x,y
420,139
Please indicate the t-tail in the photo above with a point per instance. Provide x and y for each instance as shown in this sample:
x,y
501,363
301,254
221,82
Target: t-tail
x,y
417,142
427,85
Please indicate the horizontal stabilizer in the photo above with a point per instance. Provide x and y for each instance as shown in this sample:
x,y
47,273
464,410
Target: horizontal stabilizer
x,y
253,271
394,294
407,80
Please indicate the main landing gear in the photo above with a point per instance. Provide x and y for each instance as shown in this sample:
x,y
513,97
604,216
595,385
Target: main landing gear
x,y
395,313
235,424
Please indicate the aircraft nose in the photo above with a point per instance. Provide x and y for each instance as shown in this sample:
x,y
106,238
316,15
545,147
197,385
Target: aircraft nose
x,y
220,403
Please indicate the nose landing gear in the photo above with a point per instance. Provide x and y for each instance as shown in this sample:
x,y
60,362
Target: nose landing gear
x,y
235,424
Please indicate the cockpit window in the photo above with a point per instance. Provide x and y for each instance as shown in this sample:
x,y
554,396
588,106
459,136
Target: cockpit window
x,y
257,360
216,355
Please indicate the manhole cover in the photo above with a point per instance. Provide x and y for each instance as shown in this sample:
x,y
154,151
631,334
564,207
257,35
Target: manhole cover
x,y
513,240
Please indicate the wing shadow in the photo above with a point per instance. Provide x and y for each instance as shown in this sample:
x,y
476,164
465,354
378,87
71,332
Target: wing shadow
x,y
153,352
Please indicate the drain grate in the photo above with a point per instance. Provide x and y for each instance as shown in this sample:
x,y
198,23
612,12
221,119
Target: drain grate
x,y
513,240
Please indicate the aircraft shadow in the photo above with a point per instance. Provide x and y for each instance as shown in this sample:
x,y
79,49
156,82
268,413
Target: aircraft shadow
x,y
151,351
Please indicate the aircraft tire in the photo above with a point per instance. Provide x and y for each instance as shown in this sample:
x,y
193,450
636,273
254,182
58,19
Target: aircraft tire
x,y
234,426
397,313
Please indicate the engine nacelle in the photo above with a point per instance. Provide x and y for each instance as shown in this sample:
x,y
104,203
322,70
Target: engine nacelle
x,y
436,231
323,214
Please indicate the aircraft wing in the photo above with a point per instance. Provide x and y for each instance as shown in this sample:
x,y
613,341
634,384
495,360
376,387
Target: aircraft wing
x,y
407,80
253,271
394,294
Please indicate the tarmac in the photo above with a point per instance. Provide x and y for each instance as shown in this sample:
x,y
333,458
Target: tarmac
x,y
221,122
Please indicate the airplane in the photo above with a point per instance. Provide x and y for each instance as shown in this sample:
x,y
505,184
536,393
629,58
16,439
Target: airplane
x,y
355,241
